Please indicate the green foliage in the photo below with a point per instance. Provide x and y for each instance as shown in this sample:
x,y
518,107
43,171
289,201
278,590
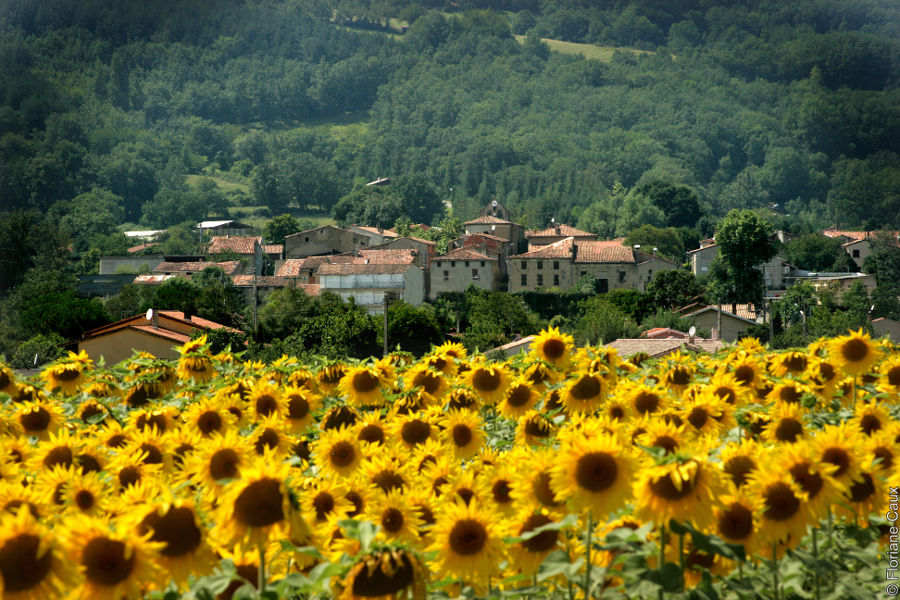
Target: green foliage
x,y
46,347
674,289
884,261
815,252
680,203
600,322
654,240
742,238
413,328
279,227
494,318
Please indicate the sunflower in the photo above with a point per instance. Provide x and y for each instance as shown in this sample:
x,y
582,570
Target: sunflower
x,y
707,415
265,399
257,507
114,563
300,403
435,470
882,447
441,363
40,419
584,392
388,471
454,350
130,468
553,347
412,429
328,377
841,447
788,391
155,446
854,353
739,460
488,380
792,362
67,374
468,542
527,555
7,380
386,574
325,499
160,417
680,490
51,484
33,565
337,417
593,474
215,460
194,362
337,451
58,449
539,375
824,377
531,486
736,520
398,521
432,382
784,511
208,417
679,373
466,485
371,429
786,424
88,494
520,397
889,383
534,429
866,495
462,432
657,433
870,418
176,523
463,398
821,489
726,385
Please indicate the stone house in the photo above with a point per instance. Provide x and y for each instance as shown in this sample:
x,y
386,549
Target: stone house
x,y
557,233
513,232
224,227
775,270
367,283
462,267
326,239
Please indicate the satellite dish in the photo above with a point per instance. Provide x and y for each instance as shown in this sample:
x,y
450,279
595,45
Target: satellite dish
x,y
692,331
149,314
637,246
494,203
493,227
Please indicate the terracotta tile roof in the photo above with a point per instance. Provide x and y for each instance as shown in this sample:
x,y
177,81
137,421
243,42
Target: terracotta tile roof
x,y
695,309
152,279
560,230
311,289
139,247
853,235
239,244
293,267
487,219
273,248
659,348
560,249
588,251
141,321
262,281
464,254
177,314
383,232
163,333
230,267
486,236
362,268
386,256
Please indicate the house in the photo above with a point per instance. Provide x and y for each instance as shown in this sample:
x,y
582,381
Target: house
x,y
425,249
858,244
142,247
224,227
657,348
231,267
368,282
495,209
161,335
556,233
110,265
462,267
838,283
245,246
264,284
519,346
512,232
303,270
885,327
775,270
376,235
562,263
733,326
326,239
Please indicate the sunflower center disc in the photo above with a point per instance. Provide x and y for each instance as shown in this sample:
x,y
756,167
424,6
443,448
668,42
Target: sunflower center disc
x,y
811,483
176,528
738,468
839,458
887,459
893,376
854,350
667,443
587,387
680,376
37,420
392,520
860,490
223,464
259,504
19,563
357,502
467,537
364,382
266,405
596,471
869,423
646,402
107,561
736,523
370,583
780,501
663,487
543,541
84,499
744,374
501,490
208,422
789,394
61,455
372,434
324,504
68,374
298,407
462,435
415,432
429,381
519,396
537,427
554,348
796,363
486,380
788,430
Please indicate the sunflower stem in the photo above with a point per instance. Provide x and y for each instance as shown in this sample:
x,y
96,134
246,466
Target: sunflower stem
x,y
662,553
587,551
681,557
816,554
774,570
261,573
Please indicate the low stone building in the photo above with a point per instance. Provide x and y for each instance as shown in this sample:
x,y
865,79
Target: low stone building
x,y
513,232
462,267
563,263
557,233
326,239
303,270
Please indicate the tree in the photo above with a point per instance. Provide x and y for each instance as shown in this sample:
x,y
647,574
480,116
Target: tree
x,y
814,252
280,227
89,216
414,328
679,202
599,321
657,240
743,245
674,289
884,261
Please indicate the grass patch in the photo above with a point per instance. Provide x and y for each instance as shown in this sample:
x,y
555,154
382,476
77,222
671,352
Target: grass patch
x,y
223,185
257,216
592,51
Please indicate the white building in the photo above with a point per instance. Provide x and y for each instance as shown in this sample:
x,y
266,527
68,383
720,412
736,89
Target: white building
x,y
367,283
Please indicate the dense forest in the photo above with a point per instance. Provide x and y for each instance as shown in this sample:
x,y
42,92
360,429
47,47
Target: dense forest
x,y
610,115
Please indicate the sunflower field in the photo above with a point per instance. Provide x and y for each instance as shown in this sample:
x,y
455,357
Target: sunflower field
x,y
563,473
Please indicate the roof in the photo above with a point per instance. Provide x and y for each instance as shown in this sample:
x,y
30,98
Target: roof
x,y
144,233
311,289
141,320
273,248
664,333
688,312
488,219
363,268
159,332
587,251
386,256
516,346
229,222
293,267
139,247
376,231
656,348
308,231
853,235
240,244
230,267
262,281
464,254
486,236
559,230
152,279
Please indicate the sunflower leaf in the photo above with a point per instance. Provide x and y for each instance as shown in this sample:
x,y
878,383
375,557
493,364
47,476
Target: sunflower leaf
x,y
567,522
710,544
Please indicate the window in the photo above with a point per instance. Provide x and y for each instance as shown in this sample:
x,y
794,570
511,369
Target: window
x,y
621,276
474,273
555,264
540,264
306,239
446,275
467,263
524,264
584,272
482,263
556,280
602,286
856,254
452,263
540,281
524,279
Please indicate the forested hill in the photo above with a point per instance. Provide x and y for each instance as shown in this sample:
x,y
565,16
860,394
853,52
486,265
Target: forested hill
x,y
160,112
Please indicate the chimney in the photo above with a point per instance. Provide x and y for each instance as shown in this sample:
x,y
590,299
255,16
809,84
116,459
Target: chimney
x,y
154,320
714,334
187,314
574,250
